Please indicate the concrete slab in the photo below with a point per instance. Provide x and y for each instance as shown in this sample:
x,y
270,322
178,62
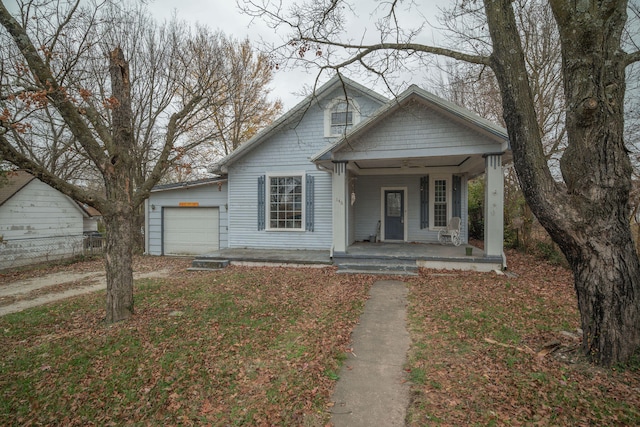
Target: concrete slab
x,y
261,256
372,389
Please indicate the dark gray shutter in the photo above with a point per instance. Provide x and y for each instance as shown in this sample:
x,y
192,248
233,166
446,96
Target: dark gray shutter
x,y
457,196
309,211
424,202
261,202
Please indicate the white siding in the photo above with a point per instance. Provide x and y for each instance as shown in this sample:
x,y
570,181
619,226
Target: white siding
x,y
288,151
39,224
209,195
368,212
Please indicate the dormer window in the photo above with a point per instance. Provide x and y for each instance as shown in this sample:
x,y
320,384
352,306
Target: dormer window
x,y
340,116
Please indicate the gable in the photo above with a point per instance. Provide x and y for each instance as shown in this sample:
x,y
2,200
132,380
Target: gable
x,y
301,131
417,119
417,129
294,144
38,210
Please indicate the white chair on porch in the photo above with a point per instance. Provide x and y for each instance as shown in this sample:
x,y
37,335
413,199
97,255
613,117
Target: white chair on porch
x,y
451,234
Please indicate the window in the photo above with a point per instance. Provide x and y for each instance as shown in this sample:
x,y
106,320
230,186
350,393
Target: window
x,y
285,197
440,203
340,116
439,200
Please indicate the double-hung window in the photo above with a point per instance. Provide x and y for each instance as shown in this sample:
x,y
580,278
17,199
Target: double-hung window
x,y
440,201
285,202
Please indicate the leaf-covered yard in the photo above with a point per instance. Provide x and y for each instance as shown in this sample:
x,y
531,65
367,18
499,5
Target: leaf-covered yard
x,y
242,346
499,350
262,346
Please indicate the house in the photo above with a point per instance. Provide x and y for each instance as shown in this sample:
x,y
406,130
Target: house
x,y
37,222
348,164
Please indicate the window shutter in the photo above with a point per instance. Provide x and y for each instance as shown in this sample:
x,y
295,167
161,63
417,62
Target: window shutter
x,y
309,212
424,202
457,196
261,201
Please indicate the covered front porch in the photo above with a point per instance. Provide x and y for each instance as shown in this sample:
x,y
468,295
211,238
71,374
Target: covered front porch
x,y
403,174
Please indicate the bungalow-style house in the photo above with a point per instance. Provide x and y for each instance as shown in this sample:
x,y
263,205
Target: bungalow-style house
x,y
348,165
37,222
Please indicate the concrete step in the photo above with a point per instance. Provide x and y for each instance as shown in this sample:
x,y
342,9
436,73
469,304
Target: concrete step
x,y
369,267
204,264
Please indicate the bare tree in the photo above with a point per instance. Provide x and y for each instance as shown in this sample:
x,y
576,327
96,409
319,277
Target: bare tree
x,y
248,75
67,87
587,211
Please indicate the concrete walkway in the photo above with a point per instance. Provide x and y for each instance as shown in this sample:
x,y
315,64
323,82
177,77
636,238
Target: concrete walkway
x,y
372,389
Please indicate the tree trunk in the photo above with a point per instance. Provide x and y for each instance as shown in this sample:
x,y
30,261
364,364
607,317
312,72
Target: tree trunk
x,y
118,266
606,278
587,218
119,184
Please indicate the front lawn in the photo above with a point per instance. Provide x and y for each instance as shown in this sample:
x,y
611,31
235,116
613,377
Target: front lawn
x,y
263,346
241,346
498,350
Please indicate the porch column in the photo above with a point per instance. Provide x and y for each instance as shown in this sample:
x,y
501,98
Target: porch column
x,y
493,205
340,206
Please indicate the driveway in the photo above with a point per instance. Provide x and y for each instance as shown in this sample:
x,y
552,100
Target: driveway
x,y
23,289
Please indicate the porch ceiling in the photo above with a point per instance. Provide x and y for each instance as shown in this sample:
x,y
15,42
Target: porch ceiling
x,y
408,163
471,165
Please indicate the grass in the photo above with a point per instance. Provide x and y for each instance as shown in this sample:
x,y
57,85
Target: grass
x,y
475,355
236,347
264,346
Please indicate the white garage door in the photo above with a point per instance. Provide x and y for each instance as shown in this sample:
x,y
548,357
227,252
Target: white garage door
x,y
190,231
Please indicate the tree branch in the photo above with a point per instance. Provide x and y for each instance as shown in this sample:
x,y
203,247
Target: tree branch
x,y
12,155
161,164
45,79
632,57
365,50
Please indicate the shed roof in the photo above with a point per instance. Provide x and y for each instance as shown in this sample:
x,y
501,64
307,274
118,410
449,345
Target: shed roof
x,y
188,184
16,181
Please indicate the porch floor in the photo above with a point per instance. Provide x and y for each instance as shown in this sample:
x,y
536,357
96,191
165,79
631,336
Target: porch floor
x,y
422,254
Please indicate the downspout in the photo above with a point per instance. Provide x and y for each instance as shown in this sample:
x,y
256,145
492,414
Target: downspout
x,y
146,226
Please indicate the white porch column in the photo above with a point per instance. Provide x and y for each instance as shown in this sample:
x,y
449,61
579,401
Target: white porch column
x,y
493,205
339,183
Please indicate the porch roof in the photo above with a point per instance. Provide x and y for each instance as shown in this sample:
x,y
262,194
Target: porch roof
x,y
381,145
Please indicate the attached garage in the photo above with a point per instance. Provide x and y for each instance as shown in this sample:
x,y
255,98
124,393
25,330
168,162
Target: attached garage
x,y
190,230
188,218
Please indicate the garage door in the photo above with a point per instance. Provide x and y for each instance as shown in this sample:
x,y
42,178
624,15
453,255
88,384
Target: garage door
x,y
190,231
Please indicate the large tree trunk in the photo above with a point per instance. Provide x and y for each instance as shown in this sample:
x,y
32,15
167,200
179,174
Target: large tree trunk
x,y
606,279
119,215
118,266
587,217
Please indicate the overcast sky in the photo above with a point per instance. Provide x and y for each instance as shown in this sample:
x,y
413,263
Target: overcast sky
x,y
225,16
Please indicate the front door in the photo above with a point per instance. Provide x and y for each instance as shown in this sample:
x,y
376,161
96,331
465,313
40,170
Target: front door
x,y
394,214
